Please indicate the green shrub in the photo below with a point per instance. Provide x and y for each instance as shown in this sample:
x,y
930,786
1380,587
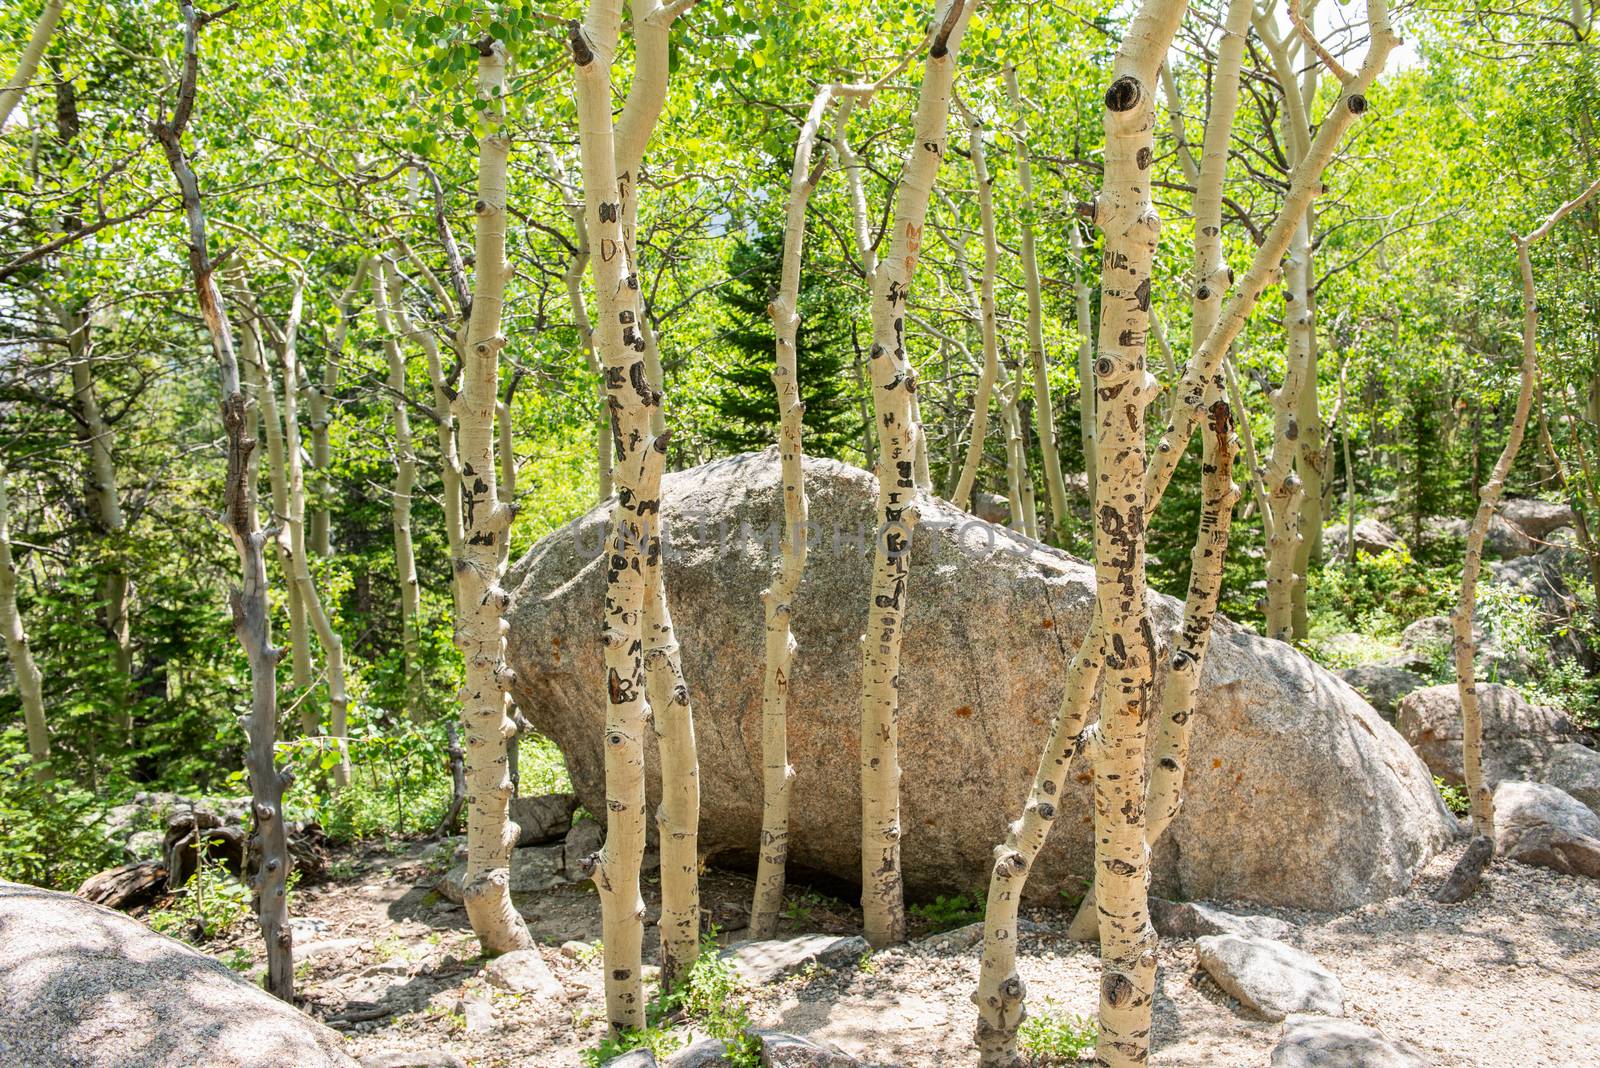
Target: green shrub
x,y
210,904
50,833
1455,797
1057,1037
944,913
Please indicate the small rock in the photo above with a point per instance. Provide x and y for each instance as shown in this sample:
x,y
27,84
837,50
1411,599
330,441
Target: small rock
x,y
635,1058
536,868
1192,919
1575,769
585,837
330,945
424,1058
1538,824
780,1050
542,819
1318,1042
1383,685
706,1053
304,927
575,949
522,971
1373,537
477,1011
962,938
759,963
1269,977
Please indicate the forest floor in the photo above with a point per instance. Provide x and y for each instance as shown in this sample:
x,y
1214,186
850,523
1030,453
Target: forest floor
x,y
1510,978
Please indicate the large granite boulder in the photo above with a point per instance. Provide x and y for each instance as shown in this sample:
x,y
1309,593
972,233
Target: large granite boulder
x,y
1373,537
1518,737
1538,824
1299,794
1537,518
88,987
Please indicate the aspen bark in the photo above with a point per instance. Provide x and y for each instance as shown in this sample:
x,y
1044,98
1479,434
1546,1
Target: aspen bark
x,y
1479,791
1200,378
1043,410
319,416
894,387
1083,313
485,522
778,598
252,621
405,479
988,326
1286,492
30,681
28,63
1126,216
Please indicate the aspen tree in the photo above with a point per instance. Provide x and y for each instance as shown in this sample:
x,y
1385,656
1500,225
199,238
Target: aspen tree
x,y
635,601
1083,313
1043,410
986,315
778,598
28,63
319,417
1479,791
252,621
894,386
405,479
30,681
485,522
1201,376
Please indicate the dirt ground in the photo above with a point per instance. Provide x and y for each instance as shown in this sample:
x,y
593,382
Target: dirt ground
x,y
1512,978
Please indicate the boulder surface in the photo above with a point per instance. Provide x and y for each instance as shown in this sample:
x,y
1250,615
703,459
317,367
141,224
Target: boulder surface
x,y
1538,824
1518,737
1299,793
88,987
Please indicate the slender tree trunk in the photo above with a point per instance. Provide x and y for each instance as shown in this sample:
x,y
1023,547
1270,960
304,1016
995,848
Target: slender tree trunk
x,y
251,616
894,388
1084,314
1200,378
1044,411
405,480
318,399
30,682
485,522
1479,791
1286,492
988,327
778,598
28,63
1016,468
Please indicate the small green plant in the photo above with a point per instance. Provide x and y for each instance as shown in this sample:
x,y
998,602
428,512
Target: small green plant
x,y
50,832
1455,797
238,959
662,1042
210,904
1054,1037
945,913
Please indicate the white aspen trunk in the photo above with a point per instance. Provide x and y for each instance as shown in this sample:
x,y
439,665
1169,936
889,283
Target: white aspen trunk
x,y
252,622
778,598
986,317
1016,475
28,63
485,522
1462,649
295,528
258,381
1043,410
1247,441
1083,312
405,480
573,278
894,387
1126,216
1201,377
30,682
1285,490
318,399
104,501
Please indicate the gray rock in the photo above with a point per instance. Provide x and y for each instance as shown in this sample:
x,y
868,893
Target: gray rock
x,y
706,1053
1502,539
542,819
970,935
474,1007
1542,578
1382,684
533,868
780,1050
587,836
1535,823
1319,1042
1284,755
92,988
637,1058
1537,518
522,971
758,963
1575,769
1518,737
1194,919
422,1058
1373,537
1268,977
991,507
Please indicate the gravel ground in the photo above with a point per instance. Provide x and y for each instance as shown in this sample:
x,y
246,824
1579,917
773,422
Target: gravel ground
x,y
1511,978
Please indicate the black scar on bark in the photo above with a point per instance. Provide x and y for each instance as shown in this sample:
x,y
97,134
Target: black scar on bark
x,y
1143,157
1358,104
1142,295
1124,94
582,55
